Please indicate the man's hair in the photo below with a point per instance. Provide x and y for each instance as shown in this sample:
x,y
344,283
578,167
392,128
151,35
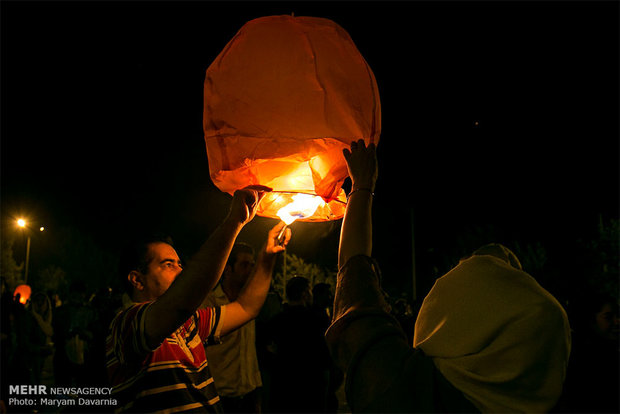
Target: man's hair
x,y
237,249
135,256
295,288
322,289
322,295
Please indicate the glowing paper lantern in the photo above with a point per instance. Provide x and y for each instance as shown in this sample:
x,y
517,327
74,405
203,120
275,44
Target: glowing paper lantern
x,y
282,100
24,292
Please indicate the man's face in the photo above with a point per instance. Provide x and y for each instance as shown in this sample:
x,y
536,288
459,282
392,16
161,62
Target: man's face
x,y
243,266
163,268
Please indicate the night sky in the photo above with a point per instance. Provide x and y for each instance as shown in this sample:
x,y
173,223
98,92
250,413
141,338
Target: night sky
x,y
496,115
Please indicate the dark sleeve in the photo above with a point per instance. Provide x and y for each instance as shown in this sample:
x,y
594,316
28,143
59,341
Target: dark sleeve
x,y
359,303
384,373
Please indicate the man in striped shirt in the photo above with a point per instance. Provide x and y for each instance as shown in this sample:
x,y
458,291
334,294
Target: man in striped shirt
x,y
155,354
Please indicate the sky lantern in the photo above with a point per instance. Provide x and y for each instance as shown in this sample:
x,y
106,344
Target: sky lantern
x,y
24,292
281,101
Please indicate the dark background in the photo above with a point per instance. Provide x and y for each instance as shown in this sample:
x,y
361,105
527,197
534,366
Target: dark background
x,y
500,123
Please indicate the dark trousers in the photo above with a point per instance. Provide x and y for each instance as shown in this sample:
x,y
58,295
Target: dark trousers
x,y
248,403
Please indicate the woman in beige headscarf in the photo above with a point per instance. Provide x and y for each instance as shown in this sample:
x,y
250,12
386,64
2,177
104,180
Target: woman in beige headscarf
x,y
495,334
488,337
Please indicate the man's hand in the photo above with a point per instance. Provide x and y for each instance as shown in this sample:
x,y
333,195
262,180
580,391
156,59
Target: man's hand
x,y
356,233
362,165
272,245
245,203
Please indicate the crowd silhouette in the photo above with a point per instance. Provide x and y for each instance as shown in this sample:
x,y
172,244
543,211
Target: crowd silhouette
x,y
65,345
61,341
55,341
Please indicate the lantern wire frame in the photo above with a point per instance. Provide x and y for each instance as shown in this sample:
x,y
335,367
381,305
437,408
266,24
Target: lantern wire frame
x,y
307,193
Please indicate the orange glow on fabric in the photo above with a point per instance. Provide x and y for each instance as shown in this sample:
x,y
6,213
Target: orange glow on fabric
x,y
24,292
281,101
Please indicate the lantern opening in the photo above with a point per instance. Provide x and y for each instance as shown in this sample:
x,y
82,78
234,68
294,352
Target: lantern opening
x,y
302,206
325,210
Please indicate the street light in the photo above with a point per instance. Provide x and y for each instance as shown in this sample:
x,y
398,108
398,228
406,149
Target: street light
x,y
22,223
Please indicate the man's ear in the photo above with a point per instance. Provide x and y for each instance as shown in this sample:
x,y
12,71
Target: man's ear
x,y
135,278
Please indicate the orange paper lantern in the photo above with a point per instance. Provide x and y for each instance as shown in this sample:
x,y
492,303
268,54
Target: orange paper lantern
x,y
24,292
282,100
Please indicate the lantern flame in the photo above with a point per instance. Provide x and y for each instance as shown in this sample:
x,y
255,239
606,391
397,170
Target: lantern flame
x,y
303,205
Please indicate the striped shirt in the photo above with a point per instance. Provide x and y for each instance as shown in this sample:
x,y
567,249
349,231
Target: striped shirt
x,y
174,377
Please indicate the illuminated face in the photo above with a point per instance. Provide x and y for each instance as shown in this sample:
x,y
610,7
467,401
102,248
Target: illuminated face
x,y
243,266
163,268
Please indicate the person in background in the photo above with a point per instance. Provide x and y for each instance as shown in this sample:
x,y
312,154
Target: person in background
x,y
487,338
41,335
265,347
33,329
72,336
402,311
322,302
300,373
7,341
322,306
233,362
592,379
104,305
156,357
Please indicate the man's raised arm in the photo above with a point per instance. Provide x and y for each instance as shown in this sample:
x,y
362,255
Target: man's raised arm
x,y
203,270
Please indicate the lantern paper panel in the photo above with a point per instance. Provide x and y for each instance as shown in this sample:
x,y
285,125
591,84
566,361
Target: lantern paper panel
x,y
282,100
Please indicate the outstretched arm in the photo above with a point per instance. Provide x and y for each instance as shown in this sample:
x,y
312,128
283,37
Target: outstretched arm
x,y
383,372
253,294
202,272
356,234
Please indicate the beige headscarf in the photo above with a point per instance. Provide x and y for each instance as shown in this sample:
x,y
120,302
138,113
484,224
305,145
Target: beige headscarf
x,y
496,334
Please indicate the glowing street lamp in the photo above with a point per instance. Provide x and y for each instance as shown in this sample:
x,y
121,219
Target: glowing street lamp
x,y
23,223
